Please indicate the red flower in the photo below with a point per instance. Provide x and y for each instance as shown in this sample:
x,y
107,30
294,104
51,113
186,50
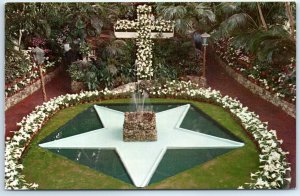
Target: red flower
x,y
37,41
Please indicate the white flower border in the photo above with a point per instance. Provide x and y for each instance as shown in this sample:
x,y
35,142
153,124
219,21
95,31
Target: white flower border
x,y
273,164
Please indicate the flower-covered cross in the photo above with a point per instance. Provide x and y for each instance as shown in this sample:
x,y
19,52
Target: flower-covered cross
x,y
143,29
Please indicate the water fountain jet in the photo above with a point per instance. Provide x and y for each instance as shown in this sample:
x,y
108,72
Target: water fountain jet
x,y
139,125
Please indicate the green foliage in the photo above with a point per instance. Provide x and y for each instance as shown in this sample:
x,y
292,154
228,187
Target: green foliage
x,y
279,79
97,24
273,46
60,23
77,70
84,48
91,79
188,17
47,20
234,25
228,8
173,58
114,66
116,62
16,64
242,22
164,72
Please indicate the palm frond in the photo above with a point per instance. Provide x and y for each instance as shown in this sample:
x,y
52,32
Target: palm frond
x,y
114,48
173,12
183,26
205,13
234,25
119,43
228,8
267,46
279,48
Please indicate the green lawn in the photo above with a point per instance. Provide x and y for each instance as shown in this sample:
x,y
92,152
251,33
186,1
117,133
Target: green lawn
x,y
227,171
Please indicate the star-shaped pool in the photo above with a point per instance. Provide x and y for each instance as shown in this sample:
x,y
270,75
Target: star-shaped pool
x,y
141,160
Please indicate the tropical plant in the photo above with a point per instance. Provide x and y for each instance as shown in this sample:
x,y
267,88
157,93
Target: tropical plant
x,y
250,28
33,19
174,58
77,70
56,24
188,17
114,66
91,18
91,80
16,63
289,12
116,62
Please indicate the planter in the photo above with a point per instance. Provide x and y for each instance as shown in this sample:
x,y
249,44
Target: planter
x,y
124,34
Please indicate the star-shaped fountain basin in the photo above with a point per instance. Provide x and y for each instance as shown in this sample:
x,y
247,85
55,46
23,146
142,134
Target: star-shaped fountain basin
x,y
141,159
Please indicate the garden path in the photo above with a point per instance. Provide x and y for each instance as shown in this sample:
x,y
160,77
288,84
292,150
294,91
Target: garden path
x,y
216,78
285,125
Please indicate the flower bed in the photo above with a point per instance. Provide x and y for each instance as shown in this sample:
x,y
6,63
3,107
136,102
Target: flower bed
x,y
289,108
273,163
281,82
30,75
30,88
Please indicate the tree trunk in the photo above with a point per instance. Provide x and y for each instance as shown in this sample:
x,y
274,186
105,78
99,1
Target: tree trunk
x,y
262,18
291,19
43,83
20,39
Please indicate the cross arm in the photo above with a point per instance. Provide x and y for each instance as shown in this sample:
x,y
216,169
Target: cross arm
x,y
163,26
126,25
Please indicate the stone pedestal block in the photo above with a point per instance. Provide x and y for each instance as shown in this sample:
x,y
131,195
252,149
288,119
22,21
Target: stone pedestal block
x,y
139,126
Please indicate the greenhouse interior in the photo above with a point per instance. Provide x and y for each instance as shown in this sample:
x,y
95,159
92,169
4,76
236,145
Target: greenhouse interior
x,y
150,95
